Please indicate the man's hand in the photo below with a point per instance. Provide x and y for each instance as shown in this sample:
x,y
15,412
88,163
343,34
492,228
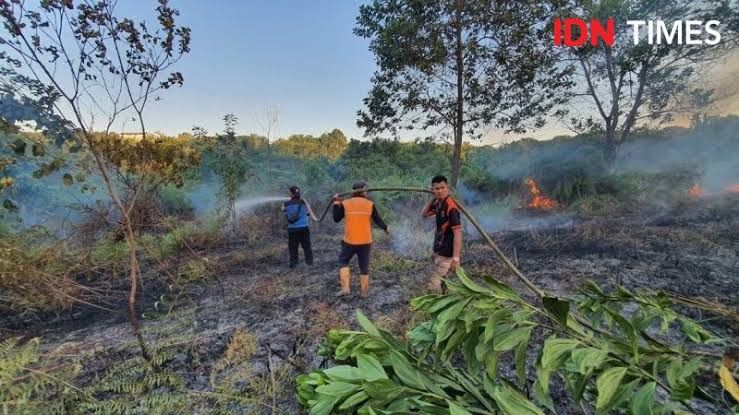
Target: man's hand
x,y
336,198
455,263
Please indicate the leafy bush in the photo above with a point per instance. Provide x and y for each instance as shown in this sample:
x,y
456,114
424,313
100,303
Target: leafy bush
x,y
173,200
610,354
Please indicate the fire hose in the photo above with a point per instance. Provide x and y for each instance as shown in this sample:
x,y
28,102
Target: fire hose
x,y
538,291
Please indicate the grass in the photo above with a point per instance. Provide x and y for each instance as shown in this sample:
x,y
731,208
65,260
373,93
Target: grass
x,y
392,263
323,319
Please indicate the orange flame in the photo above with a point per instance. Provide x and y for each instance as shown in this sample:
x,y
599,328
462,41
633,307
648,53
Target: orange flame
x,y
733,189
695,191
538,201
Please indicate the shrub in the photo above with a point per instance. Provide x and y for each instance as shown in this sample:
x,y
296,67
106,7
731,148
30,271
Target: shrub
x,y
611,350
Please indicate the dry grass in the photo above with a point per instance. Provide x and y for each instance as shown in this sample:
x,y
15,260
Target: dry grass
x,y
323,319
392,263
266,289
400,321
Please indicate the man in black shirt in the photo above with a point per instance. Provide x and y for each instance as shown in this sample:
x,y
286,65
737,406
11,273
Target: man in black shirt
x,y
448,237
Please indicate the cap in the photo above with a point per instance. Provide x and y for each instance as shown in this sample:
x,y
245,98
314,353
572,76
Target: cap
x,y
359,184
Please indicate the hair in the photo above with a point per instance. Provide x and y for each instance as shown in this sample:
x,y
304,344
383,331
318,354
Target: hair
x,y
295,191
439,179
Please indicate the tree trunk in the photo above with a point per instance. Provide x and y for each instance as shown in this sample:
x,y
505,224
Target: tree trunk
x,y
459,122
131,241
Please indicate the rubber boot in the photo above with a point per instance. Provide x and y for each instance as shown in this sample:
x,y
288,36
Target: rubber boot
x,y
363,286
345,277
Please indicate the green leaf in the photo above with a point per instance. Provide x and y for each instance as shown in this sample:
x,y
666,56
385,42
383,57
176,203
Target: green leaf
x,y
383,389
541,390
370,368
454,341
520,358
607,385
471,285
338,389
323,406
627,328
555,352
587,358
354,400
367,324
403,369
642,403
510,339
447,319
491,364
560,309
455,409
343,372
502,291
512,402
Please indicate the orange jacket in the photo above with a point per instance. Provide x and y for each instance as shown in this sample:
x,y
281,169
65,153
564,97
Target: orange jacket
x,y
358,212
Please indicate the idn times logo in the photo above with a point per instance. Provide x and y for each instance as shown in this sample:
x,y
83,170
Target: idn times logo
x,y
574,32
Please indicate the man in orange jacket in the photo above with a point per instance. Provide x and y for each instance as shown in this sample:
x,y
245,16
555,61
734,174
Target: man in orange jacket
x,y
358,213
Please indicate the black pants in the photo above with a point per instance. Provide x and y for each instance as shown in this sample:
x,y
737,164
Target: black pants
x,y
299,236
362,252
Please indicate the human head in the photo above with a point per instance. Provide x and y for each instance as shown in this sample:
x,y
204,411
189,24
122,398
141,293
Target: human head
x,y
439,187
294,192
359,185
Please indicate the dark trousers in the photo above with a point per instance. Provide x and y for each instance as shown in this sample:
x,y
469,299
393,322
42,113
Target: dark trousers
x,y
361,251
299,236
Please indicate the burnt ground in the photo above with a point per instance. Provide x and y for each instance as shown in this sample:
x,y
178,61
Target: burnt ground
x,y
691,250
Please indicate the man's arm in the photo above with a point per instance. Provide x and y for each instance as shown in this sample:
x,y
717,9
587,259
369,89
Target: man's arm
x,y
338,209
310,211
428,209
455,221
378,219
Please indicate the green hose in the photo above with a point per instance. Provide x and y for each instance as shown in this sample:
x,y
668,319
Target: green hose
x,y
538,291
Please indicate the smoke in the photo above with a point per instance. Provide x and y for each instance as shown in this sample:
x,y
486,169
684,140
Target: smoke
x,y
247,204
708,149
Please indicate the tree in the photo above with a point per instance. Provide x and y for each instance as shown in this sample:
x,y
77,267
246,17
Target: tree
x,y
268,124
80,63
626,84
229,162
462,64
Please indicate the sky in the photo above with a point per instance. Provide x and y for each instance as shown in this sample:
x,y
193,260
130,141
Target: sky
x,y
248,56
300,58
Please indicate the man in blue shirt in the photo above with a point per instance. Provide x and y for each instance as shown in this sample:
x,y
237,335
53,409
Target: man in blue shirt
x,y
297,212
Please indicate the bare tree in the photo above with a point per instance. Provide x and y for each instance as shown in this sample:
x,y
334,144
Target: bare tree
x,y
83,63
268,123
627,84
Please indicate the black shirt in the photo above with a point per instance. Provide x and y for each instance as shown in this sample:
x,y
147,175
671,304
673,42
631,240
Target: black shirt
x,y
448,219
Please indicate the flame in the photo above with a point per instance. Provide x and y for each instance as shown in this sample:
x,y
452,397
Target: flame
x,y
537,200
695,191
733,188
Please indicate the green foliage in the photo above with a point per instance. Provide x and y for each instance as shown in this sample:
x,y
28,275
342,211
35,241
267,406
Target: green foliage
x,y
35,274
329,145
450,364
174,200
29,387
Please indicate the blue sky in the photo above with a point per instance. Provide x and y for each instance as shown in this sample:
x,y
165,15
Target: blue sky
x,y
301,57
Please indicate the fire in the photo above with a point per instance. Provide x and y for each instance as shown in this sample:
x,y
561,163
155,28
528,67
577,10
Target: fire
x,y
695,191
733,189
538,201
